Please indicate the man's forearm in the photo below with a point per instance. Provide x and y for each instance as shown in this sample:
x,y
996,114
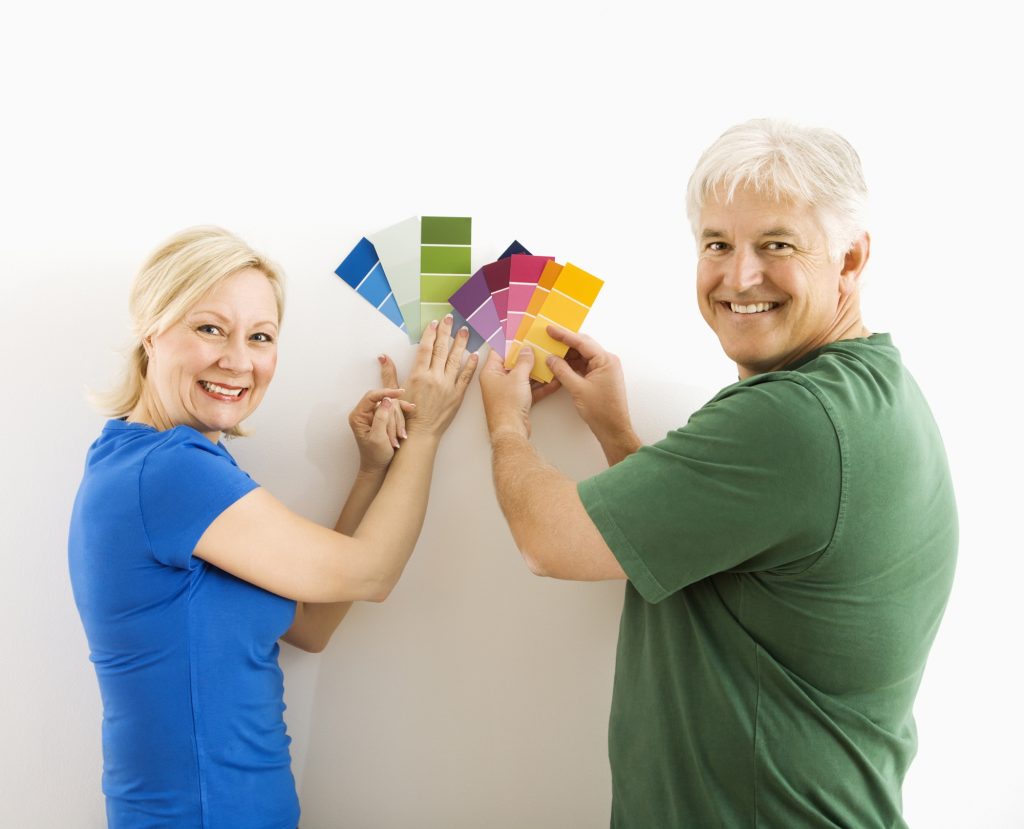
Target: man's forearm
x,y
527,488
619,445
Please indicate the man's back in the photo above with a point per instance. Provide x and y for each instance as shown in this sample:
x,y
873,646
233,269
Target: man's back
x,y
790,553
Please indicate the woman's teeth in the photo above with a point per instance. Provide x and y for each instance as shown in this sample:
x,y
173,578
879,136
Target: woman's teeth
x,y
215,389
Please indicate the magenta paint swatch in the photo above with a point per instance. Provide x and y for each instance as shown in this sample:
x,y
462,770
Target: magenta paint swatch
x,y
524,271
496,274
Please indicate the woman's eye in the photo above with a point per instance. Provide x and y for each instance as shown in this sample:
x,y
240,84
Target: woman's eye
x,y
262,337
208,329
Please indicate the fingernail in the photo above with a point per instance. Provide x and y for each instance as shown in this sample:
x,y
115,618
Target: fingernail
x,y
405,434
464,329
386,402
448,318
433,324
550,361
382,359
474,356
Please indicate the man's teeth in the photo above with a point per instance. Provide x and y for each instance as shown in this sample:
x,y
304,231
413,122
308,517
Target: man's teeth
x,y
213,387
756,308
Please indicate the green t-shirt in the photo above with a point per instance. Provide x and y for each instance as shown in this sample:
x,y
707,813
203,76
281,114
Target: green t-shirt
x,y
790,552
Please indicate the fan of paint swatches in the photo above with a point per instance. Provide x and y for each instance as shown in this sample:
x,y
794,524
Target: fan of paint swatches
x,y
566,305
362,270
467,302
398,247
474,303
524,273
445,255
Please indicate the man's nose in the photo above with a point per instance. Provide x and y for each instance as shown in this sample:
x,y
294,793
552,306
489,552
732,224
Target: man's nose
x,y
744,271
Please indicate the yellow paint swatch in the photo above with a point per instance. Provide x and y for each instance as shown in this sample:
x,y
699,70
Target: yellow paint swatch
x,y
567,304
547,278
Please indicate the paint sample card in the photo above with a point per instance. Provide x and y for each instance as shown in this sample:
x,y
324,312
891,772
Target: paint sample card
x,y
398,247
497,274
566,305
445,254
473,301
363,271
544,284
524,273
515,247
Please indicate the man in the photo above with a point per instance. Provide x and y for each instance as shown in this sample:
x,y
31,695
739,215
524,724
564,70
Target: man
x,y
789,551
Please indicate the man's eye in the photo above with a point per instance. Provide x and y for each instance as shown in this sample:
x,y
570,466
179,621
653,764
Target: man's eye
x,y
716,246
779,246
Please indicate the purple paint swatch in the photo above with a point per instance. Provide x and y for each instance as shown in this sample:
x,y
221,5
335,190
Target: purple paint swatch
x,y
475,303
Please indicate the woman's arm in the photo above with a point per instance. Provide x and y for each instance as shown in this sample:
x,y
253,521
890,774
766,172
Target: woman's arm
x,y
261,541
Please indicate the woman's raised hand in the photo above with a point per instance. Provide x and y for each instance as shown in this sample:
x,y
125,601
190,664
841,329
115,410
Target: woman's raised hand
x,y
439,379
378,420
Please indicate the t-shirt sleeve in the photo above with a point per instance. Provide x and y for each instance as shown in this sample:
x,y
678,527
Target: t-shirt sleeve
x,y
751,483
183,487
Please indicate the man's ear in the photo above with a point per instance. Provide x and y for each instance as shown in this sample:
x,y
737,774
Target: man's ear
x,y
853,263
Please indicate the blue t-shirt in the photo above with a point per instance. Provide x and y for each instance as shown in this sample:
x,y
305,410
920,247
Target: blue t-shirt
x,y
185,654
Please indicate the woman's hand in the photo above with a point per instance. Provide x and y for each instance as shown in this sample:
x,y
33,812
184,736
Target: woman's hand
x,y
378,420
438,381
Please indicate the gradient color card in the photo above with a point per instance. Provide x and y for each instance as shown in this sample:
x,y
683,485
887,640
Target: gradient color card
x,y
473,302
398,247
362,270
567,304
445,255
496,274
524,273
547,280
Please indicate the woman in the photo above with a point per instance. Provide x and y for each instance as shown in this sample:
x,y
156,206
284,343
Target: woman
x,y
186,572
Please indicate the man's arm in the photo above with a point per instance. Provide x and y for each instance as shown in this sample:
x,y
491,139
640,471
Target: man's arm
x,y
549,523
550,526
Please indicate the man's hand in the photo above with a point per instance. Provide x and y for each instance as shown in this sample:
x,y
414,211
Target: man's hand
x,y
507,395
594,378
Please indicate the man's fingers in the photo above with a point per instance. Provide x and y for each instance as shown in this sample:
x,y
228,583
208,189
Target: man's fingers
x,y
524,363
542,390
587,347
564,374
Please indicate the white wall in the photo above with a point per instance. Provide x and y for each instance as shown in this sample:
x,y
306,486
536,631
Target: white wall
x,y
478,695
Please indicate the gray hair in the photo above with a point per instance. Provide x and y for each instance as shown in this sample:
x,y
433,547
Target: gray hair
x,y
786,162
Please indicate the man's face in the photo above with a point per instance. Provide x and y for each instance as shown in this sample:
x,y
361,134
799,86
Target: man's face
x,y
765,284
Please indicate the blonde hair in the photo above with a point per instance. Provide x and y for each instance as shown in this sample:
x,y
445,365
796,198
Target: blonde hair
x,y
176,275
786,161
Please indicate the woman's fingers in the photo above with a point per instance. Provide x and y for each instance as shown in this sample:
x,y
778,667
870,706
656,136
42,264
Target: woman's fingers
x,y
399,418
442,344
454,364
426,347
389,410
388,371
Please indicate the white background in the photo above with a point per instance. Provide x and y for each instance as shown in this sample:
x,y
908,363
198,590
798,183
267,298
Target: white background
x,y
478,695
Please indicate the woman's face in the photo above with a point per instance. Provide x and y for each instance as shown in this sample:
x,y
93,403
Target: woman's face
x,y
211,369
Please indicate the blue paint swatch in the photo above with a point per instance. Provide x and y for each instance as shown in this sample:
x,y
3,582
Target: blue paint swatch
x,y
515,247
362,270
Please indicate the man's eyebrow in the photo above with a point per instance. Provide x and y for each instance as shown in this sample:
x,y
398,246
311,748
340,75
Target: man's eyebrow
x,y
712,234
780,231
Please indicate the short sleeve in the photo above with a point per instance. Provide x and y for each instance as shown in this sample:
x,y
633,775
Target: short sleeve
x,y
751,483
184,485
